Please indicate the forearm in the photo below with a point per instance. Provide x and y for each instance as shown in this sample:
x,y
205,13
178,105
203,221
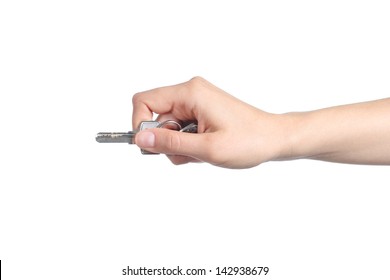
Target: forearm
x,y
356,133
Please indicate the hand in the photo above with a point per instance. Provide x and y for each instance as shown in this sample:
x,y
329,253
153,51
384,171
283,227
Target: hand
x,y
230,134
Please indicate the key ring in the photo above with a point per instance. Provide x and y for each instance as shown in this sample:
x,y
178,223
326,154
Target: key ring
x,y
169,122
192,127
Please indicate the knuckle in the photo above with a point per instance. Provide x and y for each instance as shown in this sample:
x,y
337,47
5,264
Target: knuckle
x,y
137,98
194,86
173,143
197,80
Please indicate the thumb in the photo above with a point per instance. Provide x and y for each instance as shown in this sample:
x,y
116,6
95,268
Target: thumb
x,y
171,142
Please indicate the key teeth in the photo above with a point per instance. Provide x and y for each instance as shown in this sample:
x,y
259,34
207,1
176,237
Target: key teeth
x,y
99,137
115,137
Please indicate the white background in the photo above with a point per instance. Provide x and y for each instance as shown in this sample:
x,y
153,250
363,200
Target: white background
x,y
71,208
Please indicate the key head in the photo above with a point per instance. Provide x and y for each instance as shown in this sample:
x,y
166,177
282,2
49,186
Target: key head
x,y
148,124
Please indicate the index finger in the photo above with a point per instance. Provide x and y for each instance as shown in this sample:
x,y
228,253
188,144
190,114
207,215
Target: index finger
x,y
159,100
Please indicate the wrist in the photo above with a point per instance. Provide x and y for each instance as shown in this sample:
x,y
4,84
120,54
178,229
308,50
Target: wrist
x,y
290,146
305,136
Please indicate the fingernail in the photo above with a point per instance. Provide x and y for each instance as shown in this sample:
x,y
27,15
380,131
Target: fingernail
x,y
145,139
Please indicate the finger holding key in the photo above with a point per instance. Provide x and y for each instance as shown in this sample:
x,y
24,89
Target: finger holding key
x,y
181,103
195,100
164,101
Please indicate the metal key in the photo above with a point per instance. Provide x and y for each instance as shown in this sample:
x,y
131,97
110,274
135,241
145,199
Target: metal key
x,y
124,137
129,137
116,137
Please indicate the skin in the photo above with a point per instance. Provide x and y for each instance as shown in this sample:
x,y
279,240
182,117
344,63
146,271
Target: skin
x,y
234,134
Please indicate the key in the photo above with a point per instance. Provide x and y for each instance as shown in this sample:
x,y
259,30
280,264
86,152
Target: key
x,y
124,137
129,137
116,137
191,128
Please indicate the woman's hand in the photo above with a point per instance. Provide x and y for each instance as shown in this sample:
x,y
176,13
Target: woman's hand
x,y
230,134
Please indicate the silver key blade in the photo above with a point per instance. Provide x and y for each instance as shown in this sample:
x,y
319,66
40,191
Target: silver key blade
x,y
116,137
